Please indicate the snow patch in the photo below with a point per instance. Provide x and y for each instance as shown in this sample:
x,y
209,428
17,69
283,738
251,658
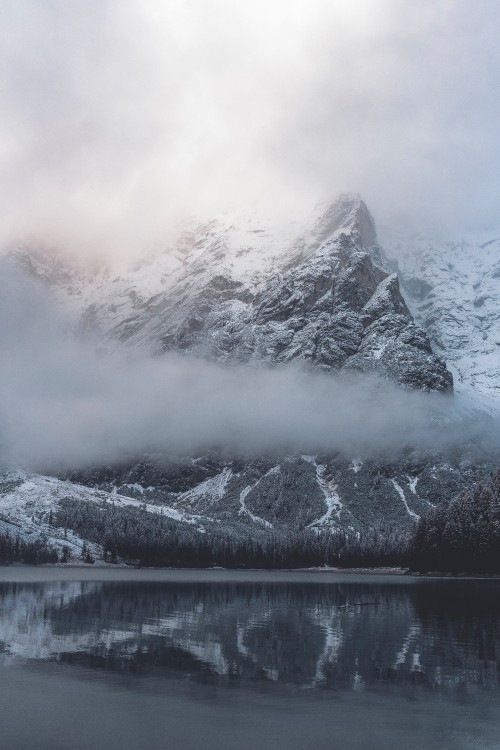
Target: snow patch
x,y
401,494
330,494
246,511
211,490
412,483
356,465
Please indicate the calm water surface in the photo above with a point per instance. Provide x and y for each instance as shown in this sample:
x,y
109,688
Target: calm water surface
x,y
126,660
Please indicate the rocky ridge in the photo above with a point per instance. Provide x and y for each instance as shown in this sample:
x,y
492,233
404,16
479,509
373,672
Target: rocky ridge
x,y
326,298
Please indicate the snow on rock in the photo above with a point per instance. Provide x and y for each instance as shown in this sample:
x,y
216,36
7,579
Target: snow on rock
x,y
452,287
356,465
239,291
412,483
210,491
401,494
330,494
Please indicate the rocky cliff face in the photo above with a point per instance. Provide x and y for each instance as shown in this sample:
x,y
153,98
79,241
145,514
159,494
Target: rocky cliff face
x,y
324,297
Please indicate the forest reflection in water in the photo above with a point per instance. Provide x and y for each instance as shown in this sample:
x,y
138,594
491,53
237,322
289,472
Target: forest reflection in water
x,y
422,641
344,635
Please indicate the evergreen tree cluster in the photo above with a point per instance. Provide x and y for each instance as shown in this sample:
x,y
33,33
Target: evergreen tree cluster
x,y
461,536
155,540
14,549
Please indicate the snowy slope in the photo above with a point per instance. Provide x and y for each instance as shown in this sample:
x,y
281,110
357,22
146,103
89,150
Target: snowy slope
x,y
453,289
244,250
27,502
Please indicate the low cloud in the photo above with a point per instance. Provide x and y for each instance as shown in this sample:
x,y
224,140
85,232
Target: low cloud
x,y
64,405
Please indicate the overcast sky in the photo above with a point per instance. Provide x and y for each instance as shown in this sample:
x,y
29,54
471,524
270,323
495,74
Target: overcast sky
x,y
117,116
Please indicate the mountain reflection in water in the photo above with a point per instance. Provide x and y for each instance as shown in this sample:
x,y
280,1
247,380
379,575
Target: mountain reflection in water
x,y
429,636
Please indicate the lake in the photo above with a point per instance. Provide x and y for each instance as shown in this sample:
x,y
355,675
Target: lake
x,y
208,660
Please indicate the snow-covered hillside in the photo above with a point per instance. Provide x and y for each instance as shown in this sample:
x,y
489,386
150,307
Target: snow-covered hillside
x,y
28,502
453,289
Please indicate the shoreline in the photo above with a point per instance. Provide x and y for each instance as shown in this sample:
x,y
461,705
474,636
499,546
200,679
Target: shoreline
x,y
19,573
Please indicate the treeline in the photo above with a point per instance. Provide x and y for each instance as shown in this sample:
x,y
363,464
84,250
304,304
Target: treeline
x,y
461,536
155,540
14,549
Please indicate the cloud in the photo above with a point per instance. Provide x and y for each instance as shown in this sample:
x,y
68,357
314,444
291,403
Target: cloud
x,y
119,116
63,405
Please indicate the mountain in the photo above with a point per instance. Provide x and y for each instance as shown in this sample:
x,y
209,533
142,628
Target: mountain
x,y
233,295
236,292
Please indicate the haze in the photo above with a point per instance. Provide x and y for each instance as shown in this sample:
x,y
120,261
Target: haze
x,y
118,117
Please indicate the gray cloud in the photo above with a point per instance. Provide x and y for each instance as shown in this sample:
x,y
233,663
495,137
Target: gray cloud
x,y
118,116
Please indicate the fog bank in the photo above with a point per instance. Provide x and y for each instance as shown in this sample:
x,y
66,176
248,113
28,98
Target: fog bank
x,y
64,405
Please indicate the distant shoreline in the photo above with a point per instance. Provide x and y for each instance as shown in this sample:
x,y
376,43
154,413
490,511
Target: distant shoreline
x,y
19,573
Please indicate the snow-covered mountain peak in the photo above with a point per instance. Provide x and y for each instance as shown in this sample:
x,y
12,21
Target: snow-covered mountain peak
x,y
334,233
347,213
248,291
